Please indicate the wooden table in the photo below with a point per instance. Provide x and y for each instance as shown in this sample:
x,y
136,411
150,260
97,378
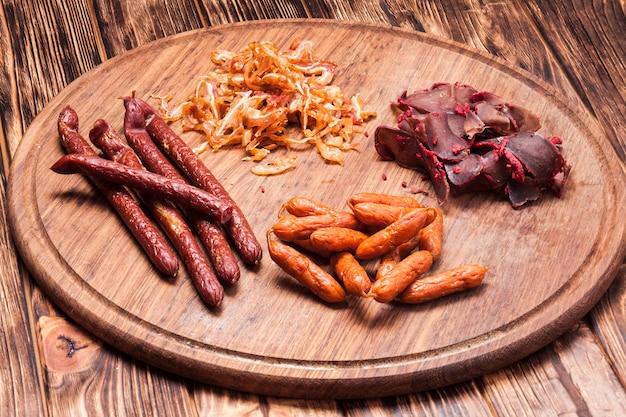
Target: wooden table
x,y
576,47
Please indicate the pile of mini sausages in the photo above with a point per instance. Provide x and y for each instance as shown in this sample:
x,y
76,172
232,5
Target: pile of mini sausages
x,y
405,237
155,177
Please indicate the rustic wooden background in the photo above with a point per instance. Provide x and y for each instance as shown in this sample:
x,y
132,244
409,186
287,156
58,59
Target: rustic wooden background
x,y
49,366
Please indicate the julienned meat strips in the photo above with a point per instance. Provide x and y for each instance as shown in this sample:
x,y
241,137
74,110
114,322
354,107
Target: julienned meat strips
x,y
468,141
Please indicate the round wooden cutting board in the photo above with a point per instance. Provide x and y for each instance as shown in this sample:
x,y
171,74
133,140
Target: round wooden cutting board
x,y
549,262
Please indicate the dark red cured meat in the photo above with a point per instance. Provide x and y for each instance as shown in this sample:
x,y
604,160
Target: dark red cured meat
x,y
397,145
439,138
540,157
184,157
439,97
522,119
168,217
178,192
141,227
436,171
468,140
211,235
465,171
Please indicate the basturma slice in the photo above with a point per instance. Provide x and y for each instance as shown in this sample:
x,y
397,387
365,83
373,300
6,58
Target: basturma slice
x,y
468,141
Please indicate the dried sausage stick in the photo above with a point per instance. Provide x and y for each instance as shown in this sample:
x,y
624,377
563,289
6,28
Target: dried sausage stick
x,y
392,200
351,273
147,235
305,271
443,283
185,158
290,227
178,192
379,215
303,206
390,285
431,236
337,239
168,217
217,246
397,233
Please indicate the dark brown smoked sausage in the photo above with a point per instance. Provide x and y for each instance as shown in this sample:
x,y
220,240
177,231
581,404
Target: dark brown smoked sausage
x,y
168,217
178,192
187,161
217,246
147,235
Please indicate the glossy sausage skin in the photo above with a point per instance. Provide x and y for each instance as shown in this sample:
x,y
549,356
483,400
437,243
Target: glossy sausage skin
x,y
290,227
168,217
306,272
212,236
179,192
443,283
391,284
396,234
187,161
146,234
349,271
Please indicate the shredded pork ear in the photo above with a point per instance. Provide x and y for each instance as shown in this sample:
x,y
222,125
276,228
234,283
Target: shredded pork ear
x,y
255,95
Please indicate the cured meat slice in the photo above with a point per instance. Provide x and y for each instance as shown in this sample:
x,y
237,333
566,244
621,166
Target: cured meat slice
x,y
467,140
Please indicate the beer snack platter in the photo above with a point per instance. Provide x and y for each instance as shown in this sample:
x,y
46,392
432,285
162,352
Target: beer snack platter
x,y
549,261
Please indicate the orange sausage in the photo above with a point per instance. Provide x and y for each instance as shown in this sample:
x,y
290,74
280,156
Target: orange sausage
x,y
308,246
401,276
443,283
391,258
290,227
395,234
387,262
392,200
305,271
379,215
337,239
431,236
303,206
351,273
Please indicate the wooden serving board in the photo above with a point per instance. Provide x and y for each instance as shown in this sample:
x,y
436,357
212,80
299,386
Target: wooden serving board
x,y
549,261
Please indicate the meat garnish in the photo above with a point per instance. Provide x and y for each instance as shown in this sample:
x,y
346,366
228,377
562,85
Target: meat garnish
x,y
262,98
468,141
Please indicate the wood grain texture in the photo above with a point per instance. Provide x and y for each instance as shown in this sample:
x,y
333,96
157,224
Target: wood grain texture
x,y
608,320
115,309
22,397
557,376
590,46
34,60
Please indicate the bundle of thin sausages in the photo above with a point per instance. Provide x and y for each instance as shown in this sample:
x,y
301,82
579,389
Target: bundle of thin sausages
x,y
156,170
406,237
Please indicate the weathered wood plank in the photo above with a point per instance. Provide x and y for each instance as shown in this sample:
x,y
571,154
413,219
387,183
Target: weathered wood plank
x,y
571,375
86,377
126,25
48,70
21,390
608,320
52,47
590,45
